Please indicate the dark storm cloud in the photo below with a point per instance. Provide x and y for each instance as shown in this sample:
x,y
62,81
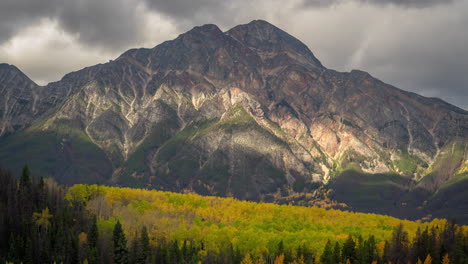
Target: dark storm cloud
x,y
110,23
409,3
106,23
186,14
116,23
17,14
428,57
189,10
401,3
425,53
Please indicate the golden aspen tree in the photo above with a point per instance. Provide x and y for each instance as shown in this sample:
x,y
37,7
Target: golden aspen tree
x,y
279,259
446,259
247,260
42,219
428,260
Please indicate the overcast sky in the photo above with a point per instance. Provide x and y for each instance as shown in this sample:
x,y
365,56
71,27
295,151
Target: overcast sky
x,y
416,45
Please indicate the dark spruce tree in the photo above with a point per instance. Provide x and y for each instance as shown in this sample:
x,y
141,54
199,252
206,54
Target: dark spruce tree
x,y
398,249
120,245
348,252
25,180
327,255
336,258
145,249
93,242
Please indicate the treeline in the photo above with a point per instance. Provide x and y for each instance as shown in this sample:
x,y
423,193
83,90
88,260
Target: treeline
x,y
38,224
446,245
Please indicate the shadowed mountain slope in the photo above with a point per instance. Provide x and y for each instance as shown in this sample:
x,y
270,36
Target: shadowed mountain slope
x,y
250,113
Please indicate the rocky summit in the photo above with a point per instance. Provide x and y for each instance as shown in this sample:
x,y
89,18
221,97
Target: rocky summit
x,y
249,113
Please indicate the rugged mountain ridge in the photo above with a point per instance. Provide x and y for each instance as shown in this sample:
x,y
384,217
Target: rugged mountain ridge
x,y
249,112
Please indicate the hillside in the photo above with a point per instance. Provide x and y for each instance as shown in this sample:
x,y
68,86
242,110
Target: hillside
x,y
249,113
252,227
43,222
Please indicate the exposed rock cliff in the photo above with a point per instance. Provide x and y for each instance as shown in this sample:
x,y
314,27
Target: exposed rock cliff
x,y
249,112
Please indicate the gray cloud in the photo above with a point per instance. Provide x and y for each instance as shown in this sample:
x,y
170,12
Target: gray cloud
x,y
401,3
409,3
117,23
190,11
428,56
186,14
105,23
16,14
417,45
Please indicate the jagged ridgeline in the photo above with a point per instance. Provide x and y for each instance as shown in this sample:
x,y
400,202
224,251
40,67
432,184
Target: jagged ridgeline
x,y
249,113
99,224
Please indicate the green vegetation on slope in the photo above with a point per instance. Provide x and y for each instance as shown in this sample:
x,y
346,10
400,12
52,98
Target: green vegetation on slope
x,y
381,193
445,166
62,149
408,163
451,200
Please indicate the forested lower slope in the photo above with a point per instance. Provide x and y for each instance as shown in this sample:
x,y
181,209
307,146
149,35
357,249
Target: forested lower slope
x,y
42,222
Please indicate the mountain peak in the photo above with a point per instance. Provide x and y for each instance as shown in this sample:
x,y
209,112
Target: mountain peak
x,y
6,66
261,23
264,36
8,71
207,29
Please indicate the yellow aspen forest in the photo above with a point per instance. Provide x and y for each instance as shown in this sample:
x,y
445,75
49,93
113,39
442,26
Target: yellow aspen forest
x,y
253,228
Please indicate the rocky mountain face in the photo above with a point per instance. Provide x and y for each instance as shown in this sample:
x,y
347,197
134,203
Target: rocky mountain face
x,y
249,113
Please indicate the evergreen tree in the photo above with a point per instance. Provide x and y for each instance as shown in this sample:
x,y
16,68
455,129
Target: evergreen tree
x,y
434,244
280,249
398,251
134,250
336,257
361,252
72,251
25,180
145,249
237,256
120,245
327,255
93,241
459,255
349,251
28,252
308,254
423,244
370,250
12,250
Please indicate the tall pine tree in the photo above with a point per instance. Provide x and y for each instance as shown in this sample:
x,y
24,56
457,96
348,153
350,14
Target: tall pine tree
x,y
146,249
93,240
349,251
120,245
327,255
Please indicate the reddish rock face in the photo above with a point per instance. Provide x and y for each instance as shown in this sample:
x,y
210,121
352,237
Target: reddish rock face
x,y
249,112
